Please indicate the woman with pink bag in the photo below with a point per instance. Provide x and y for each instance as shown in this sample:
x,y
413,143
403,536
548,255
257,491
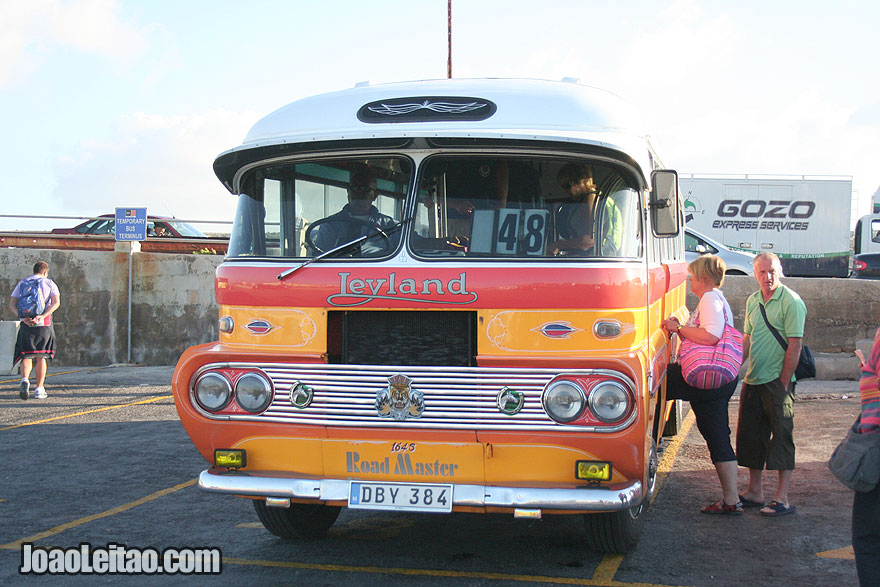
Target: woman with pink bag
x,y
710,326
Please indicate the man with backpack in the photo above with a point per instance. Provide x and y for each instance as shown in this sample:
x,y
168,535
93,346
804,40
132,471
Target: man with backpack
x,y
34,300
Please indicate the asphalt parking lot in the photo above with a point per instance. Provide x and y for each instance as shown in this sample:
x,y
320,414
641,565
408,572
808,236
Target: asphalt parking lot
x,y
104,460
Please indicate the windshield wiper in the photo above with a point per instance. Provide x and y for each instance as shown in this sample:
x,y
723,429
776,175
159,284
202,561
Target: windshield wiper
x,y
343,247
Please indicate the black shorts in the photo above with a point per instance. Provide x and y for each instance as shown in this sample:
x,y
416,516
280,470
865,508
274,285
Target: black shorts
x,y
765,431
34,342
710,411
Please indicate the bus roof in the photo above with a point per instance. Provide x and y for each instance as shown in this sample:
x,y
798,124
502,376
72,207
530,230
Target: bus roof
x,y
514,109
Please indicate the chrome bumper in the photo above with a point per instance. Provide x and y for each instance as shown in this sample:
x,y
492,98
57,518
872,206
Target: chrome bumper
x,y
601,499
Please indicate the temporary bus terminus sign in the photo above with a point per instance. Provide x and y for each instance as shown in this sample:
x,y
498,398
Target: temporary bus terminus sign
x,y
131,224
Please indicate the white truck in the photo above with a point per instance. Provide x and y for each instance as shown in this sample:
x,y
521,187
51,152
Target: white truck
x,y
867,235
805,220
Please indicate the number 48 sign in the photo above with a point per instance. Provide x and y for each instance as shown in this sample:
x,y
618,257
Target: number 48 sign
x,y
510,231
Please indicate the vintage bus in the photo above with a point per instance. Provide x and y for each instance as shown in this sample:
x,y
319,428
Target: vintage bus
x,y
442,296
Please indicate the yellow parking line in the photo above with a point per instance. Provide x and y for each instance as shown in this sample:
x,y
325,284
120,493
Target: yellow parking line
x,y
671,451
58,529
604,573
435,573
105,408
846,553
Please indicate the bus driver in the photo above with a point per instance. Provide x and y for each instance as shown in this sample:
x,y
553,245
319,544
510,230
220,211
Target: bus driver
x,y
356,218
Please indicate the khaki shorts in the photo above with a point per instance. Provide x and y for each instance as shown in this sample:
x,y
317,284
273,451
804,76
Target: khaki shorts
x,y
765,431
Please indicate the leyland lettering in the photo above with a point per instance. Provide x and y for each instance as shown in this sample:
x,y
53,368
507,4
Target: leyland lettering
x,y
355,292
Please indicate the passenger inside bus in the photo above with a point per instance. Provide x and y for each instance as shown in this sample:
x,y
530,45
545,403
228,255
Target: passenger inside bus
x,y
576,219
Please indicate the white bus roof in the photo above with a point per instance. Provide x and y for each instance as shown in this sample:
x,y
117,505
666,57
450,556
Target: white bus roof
x,y
513,109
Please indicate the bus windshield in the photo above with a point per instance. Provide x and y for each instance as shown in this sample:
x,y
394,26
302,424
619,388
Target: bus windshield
x,y
465,206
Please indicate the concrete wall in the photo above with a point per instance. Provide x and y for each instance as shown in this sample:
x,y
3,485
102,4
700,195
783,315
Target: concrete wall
x,y
840,312
173,304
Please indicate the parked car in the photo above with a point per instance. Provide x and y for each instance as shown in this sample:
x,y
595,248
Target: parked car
x,y
696,244
156,225
866,266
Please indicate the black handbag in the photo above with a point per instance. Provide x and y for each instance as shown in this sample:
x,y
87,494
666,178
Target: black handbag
x,y
856,460
806,367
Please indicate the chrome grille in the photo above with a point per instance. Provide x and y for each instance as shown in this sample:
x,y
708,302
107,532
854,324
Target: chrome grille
x,y
455,398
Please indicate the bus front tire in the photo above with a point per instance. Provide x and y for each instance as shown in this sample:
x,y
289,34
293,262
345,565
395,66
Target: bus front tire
x,y
673,424
300,520
615,532
619,532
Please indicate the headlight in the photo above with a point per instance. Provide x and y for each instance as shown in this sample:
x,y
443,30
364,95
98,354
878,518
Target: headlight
x,y
253,392
609,401
564,401
213,391
226,324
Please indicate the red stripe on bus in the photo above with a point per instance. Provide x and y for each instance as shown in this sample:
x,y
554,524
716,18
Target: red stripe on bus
x,y
363,287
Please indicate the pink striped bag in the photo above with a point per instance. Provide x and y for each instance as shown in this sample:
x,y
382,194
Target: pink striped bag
x,y
710,366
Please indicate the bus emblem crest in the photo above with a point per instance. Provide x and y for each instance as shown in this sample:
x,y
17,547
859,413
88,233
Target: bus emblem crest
x,y
399,400
426,109
557,329
260,326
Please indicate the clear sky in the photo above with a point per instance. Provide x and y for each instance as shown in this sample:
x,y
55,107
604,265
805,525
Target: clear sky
x,y
107,103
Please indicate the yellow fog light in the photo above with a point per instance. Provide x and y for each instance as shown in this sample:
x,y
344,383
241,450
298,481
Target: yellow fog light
x,y
230,458
593,470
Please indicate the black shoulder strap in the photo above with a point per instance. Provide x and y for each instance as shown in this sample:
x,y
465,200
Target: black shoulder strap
x,y
775,332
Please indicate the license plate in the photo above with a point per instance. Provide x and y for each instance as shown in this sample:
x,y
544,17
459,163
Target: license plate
x,y
405,497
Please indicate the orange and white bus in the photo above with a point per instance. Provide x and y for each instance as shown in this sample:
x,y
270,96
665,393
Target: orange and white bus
x,y
442,296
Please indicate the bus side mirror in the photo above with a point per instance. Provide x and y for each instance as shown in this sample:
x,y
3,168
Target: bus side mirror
x,y
664,203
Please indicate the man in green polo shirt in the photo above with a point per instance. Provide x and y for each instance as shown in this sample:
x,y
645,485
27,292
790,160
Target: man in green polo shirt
x,y
764,432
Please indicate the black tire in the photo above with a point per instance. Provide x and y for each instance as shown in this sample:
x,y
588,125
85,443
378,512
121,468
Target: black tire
x,y
619,532
673,424
300,520
614,532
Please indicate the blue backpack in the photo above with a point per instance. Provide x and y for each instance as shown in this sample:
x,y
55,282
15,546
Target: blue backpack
x,y
31,301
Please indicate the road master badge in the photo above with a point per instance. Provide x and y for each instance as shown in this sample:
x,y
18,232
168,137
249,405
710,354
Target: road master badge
x,y
399,400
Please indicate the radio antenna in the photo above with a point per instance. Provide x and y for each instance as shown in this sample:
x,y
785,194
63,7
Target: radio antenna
x,y
449,39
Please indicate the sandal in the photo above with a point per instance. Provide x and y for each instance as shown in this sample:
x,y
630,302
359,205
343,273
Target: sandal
x,y
750,503
777,509
719,507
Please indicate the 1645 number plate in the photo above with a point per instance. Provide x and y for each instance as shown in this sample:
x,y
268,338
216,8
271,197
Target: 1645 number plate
x,y
413,497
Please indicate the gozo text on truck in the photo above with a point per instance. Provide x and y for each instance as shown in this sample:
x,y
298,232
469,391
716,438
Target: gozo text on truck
x,y
441,347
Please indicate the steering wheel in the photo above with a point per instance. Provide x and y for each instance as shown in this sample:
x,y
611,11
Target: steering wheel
x,y
346,221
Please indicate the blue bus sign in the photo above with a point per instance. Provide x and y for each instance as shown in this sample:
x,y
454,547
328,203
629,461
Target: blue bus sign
x,y
131,224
